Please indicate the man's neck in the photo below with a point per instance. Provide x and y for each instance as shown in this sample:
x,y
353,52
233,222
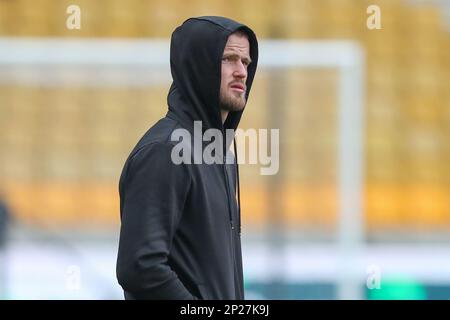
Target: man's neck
x,y
224,115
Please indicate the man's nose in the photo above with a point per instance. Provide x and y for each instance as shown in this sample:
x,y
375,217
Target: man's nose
x,y
240,71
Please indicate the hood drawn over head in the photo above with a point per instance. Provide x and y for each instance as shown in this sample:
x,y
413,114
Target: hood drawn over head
x,y
196,51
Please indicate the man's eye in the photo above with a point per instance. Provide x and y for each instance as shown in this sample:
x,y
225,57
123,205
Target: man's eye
x,y
226,59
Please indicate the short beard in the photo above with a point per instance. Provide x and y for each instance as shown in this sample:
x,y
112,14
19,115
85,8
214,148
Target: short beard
x,y
228,103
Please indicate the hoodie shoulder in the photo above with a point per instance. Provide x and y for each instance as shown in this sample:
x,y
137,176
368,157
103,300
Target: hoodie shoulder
x,y
160,133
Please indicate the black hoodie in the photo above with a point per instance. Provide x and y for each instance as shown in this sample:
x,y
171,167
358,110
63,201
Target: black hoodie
x,y
180,224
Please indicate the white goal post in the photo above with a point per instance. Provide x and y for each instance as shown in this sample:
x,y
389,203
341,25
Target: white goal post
x,y
31,61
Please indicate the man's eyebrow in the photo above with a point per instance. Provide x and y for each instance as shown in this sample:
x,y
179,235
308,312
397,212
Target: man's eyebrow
x,y
234,54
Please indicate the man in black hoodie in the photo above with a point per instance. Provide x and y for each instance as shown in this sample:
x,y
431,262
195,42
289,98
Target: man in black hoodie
x,y
180,223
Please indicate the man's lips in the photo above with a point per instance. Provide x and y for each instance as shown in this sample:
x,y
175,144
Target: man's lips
x,y
238,87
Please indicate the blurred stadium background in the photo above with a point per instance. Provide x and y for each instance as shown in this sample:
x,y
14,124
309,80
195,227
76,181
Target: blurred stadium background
x,y
67,124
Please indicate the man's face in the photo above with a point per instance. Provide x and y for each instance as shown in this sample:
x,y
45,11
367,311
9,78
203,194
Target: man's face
x,y
235,60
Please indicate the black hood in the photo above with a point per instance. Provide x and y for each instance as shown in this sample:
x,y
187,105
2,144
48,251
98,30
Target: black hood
x,y
196,51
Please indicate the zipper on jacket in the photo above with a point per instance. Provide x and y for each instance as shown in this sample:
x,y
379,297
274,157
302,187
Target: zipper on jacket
x,y
230,212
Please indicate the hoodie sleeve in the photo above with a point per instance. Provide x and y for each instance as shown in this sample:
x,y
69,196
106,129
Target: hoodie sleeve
x,y
154,191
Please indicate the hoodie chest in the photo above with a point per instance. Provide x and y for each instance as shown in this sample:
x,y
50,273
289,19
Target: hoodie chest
x,y
213,193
